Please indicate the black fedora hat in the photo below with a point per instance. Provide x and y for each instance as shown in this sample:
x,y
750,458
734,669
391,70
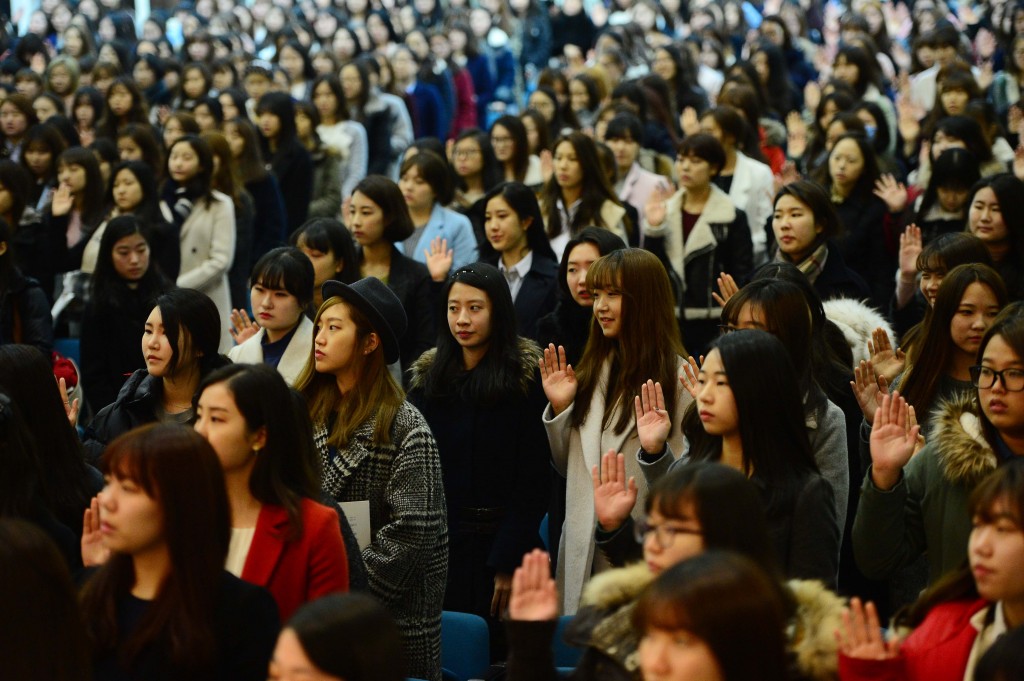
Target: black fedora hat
x,y
381,306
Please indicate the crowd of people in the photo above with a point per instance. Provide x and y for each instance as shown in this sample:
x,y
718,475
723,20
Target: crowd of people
x,y
699,322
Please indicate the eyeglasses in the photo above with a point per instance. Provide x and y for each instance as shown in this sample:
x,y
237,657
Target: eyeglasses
x,y
465,153
984,378
664,534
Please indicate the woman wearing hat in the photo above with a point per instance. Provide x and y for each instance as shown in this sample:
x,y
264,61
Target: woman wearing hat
x,y
375,447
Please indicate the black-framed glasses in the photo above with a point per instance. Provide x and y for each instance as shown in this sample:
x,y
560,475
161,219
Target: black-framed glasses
x,y
984,377
664,534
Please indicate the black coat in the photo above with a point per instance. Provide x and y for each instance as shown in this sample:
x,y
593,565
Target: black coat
x,y
270,224
293,168
837,280
135,406
245,624
25,314
537,296
863,246
411,282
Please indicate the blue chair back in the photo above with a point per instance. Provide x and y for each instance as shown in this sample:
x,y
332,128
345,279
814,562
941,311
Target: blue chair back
x,y
465,646
566,656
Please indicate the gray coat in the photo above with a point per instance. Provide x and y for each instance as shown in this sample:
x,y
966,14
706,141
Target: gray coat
x,y
407,559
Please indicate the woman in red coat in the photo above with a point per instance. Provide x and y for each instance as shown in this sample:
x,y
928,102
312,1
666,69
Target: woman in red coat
x,y
281,539
962,616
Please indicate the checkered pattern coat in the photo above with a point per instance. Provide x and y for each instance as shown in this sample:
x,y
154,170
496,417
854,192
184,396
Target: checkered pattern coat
x,y
407,560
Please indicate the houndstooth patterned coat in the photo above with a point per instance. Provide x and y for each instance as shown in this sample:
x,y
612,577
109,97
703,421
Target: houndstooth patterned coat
x,y
407,559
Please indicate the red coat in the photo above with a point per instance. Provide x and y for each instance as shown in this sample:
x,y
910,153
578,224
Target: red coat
x,y
299,571
937,650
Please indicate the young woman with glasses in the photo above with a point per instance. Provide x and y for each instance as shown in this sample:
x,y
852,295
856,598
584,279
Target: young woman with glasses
x,y
913,504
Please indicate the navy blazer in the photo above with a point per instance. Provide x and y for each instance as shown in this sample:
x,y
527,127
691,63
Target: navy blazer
x,y
411,282
537,296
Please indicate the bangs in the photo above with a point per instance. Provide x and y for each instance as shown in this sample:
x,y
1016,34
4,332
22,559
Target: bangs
x,y
931,260
1000,489
656,611
605,275
674,504
273,275
314,237
124,461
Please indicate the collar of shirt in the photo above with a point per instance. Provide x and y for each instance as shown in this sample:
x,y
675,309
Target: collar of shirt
x,y
520,269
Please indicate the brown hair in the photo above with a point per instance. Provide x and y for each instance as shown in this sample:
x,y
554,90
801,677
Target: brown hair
x,y
646,314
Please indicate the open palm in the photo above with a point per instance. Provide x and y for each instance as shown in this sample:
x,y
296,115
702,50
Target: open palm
x,y
534,595
557,378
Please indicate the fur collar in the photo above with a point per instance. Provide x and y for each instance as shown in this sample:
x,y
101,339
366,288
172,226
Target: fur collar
x,y
812,641
718,209
613,588
528,357
964,455
857,320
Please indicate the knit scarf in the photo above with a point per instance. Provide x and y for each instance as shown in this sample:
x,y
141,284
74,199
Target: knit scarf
x,y
812,265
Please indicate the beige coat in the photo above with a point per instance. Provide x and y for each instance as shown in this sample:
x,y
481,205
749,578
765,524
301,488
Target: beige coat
x,y
574,451
207,250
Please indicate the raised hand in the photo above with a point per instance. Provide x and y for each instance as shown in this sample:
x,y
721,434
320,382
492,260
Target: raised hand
x,y
62,201
534,595
70,407
812,95
860,635
242,328
892,192
652,421
892,441
688,121
887,362
656,207
689,377
439,258
727,285
614,496
796,134
910,248
557,378
547,164
868,388
908,121
94,552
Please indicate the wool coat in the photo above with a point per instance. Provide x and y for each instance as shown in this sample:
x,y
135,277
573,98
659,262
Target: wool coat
x,y
407,558
292,361
574,451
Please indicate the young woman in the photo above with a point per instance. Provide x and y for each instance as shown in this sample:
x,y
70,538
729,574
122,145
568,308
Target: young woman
x,y
42,147
956,621
137,142
86,113
747,181
995,216
578,177
897,521
294,60
476,168
512,150
18,116
376,449
687,516
76,208
852,173
326,195
379,220
805,223
442,239
291,164
270,228
386,128
589,410
281,290
180,343
328,245
281,538
775,453
479,393
124,104
702,233
343,636
855,67
517,246
584,99
205,221
347,137
162,606
125,283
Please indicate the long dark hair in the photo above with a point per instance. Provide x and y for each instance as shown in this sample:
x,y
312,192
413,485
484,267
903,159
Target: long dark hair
x,y
523,203
727,602
189,312
929,360
328,235
1008,190
776,450
287,467
955,169
175,466
108,288
865,186
646,313
490,173
199,185
43,635
92,201
279,104
517,131
26,376
148,210
498,373
596,189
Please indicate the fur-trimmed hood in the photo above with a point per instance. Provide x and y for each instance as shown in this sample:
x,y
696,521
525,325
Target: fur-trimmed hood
x,y
857,320
963,453
604,622
529,356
